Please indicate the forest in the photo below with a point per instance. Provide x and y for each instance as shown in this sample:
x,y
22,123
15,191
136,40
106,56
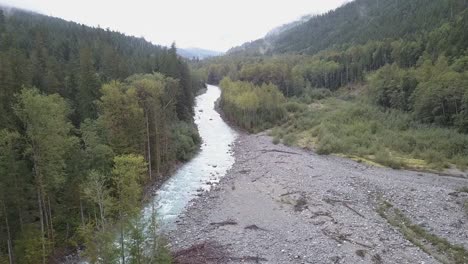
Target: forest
x,y
356,23
413,77
89,118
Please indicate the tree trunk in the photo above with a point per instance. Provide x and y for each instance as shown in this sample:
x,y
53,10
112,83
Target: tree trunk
x,y
45,212
41,217
18,204
52,235
40,194
101,211
67,233
10,251
157,150
81,212
150,171
122,249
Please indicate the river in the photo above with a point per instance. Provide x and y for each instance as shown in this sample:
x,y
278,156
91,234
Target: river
x,y
212,162
201,173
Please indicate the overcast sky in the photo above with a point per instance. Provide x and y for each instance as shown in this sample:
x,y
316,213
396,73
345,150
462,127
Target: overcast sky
x,y
211,24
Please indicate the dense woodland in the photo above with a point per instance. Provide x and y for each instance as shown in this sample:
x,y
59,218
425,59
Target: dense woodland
x,y
404,60
88,117
357,23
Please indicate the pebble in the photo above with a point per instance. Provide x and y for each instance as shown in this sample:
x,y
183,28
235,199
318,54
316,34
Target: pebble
x,y
421,199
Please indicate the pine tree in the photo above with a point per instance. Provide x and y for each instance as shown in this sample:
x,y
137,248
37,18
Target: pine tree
x,y
48,137
2,22
126,177
88,86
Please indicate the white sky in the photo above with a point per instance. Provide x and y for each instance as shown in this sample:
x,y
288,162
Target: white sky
x,y
210,24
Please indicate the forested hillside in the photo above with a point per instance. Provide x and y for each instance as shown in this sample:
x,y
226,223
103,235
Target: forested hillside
x,y
358,22
88,117
385,81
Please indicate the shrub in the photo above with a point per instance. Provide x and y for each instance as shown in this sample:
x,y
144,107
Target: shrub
x,y
289,139
384,158
313,94
186,140
252,107
276,140
329,144
360,129
295,107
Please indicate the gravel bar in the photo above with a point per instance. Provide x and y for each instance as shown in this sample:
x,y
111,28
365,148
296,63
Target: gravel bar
x,y
279,204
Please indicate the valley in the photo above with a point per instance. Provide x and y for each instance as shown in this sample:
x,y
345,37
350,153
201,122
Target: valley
x,y
280,204
338,137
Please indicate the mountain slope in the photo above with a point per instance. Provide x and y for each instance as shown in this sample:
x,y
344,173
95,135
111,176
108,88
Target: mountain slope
x,y
358,22
278,30
54,55
345,72
262,45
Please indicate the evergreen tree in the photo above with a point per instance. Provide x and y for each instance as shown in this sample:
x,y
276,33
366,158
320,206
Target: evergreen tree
x,y
50,168
127,173
88,86
47,132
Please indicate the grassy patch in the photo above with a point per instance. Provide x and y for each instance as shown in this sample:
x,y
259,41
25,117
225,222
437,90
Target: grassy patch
x,y
369,160
365,132
438,247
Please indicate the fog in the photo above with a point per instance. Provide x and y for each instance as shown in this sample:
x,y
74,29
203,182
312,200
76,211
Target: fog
x,y
210,24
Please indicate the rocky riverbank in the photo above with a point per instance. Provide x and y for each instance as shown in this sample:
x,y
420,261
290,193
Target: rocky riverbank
x,y
286,205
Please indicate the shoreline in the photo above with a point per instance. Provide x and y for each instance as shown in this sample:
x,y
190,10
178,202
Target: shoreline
x,y
151,189
280,204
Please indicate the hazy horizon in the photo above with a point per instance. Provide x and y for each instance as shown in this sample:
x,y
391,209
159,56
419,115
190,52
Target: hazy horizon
x,y
206,24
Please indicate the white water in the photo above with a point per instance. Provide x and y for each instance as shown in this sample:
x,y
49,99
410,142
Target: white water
x,y
207,168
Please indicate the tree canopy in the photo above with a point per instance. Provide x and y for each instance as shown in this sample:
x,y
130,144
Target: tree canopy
x,y
89,116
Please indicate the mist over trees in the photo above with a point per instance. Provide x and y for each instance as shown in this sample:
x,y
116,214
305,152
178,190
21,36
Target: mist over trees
x,y
90,116
405,60
404,63
356,23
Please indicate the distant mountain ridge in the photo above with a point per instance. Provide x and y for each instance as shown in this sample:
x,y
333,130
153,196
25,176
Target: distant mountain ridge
x,y
263,45
199,53
278,30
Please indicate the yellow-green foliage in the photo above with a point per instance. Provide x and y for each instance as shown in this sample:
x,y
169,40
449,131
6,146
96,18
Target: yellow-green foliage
x,y
250,106
390,138
438,247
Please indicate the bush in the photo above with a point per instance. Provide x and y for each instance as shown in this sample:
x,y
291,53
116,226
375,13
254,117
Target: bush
x,y
384,158
391,87
289,139
329,144
276,140
252,107
360,129
186,140
314,94
295,107
29,245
